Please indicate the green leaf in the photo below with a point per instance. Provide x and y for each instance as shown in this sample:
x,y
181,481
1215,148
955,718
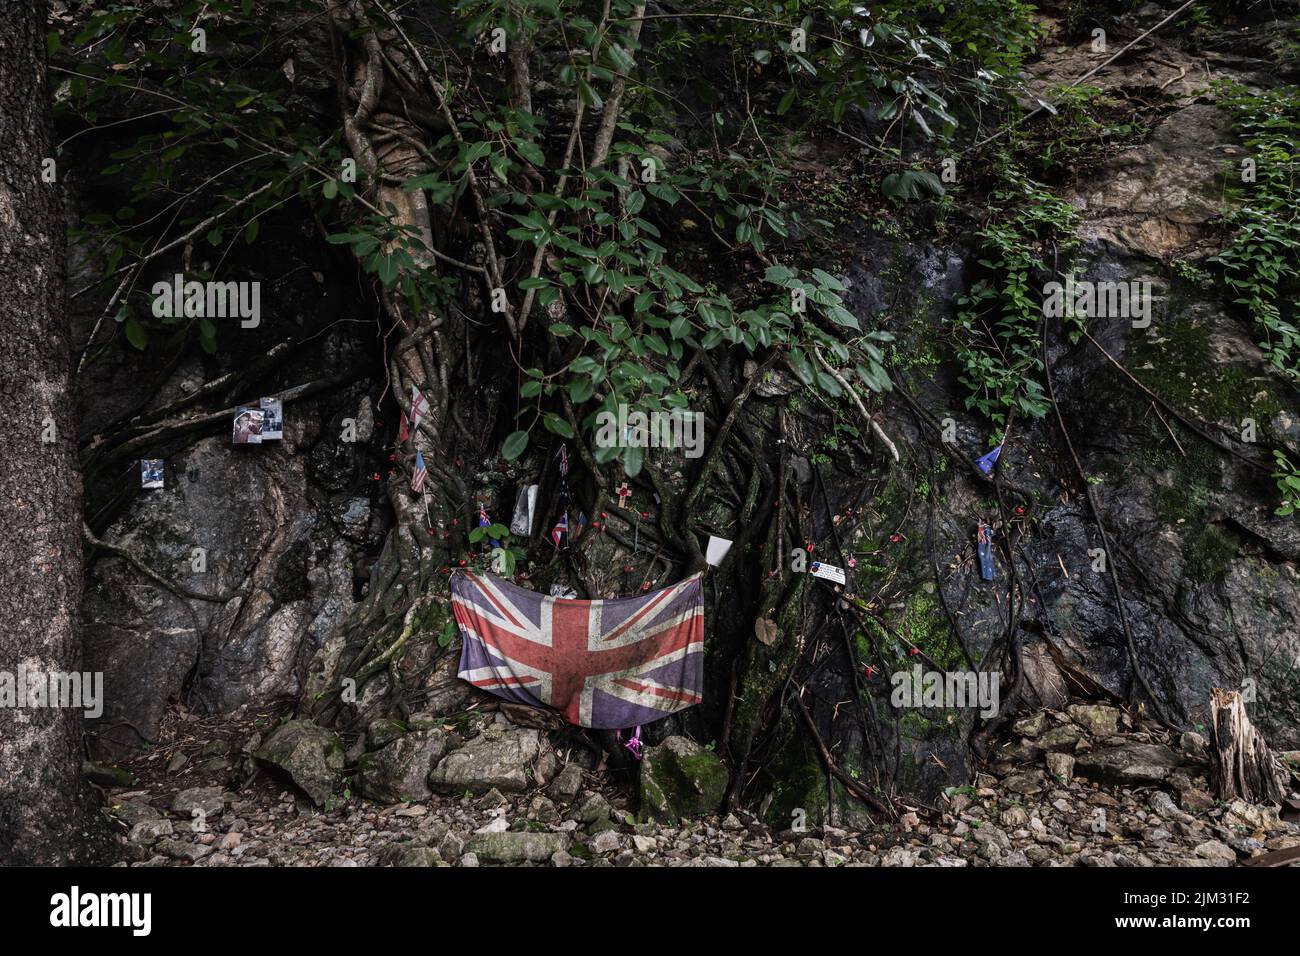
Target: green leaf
x,y
136,335
554,423
476,151
633,459
514,446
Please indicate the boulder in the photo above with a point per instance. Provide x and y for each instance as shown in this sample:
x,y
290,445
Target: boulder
x,y
384,731
105,776
1031,726
679,778
516,846
1132,765
399,772
1097,719
1060,738
310,755
501,759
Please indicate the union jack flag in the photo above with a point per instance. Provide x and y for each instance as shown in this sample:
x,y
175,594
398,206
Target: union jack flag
x,y
602,664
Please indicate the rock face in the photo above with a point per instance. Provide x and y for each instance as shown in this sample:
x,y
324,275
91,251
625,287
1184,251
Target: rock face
x,y
679,778
399,771
310,755
504,759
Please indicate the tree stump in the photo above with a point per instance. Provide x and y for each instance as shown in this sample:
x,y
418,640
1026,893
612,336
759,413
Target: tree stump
x,y
1241,765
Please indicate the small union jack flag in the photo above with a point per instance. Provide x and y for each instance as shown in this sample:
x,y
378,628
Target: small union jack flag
x,y
602,664
421,473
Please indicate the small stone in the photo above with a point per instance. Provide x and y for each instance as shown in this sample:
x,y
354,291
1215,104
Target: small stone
x,y
148,832
1030,726
208,800
469,859
899,856
564,788
1162,805
1013,817
604,842
182,850
1214,850
451,847
1061,766
177,762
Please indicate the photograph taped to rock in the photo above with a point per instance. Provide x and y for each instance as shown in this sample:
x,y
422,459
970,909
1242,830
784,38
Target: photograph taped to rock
x,y
248,425
272,419
525,504
151,473
828,572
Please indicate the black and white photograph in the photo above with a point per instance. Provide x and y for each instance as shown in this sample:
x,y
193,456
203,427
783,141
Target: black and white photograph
x,y
722,436
272,419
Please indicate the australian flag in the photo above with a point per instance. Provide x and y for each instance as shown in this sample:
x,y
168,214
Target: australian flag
x,y
602,664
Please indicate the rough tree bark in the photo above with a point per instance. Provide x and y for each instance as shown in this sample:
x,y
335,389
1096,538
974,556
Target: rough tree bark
x,y
40,483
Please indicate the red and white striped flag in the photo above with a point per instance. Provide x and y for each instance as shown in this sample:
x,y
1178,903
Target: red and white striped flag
x,y
421,473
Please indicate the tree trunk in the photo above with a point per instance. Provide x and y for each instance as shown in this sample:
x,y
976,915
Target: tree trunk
x,y
40,483
1241,764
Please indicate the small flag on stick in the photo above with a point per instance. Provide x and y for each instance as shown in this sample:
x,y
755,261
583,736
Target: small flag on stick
x,y
421,473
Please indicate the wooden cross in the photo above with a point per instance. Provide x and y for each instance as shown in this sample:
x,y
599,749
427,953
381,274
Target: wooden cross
x,y
622,491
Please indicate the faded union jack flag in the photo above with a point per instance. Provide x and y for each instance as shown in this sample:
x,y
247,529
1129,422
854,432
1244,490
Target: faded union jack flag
x,y
602,664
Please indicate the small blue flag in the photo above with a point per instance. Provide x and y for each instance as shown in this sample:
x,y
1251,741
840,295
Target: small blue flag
x,y
483,522
986,462
984,545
